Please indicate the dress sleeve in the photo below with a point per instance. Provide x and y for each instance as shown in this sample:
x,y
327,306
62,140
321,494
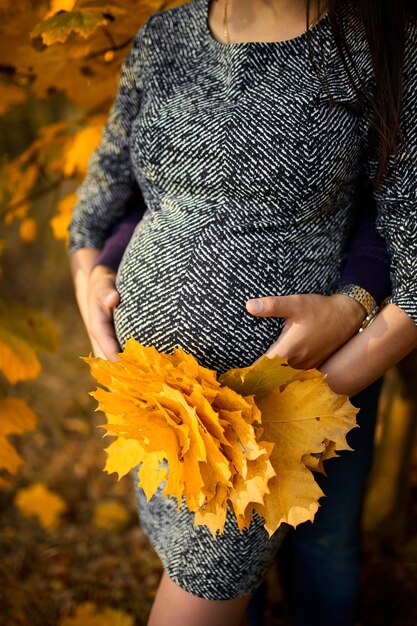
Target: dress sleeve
x,y
396,199
103,195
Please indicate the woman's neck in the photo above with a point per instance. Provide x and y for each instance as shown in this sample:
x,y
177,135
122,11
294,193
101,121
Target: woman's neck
x,y
259,20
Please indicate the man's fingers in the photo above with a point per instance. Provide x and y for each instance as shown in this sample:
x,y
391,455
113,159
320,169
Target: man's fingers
x,y
109,346
274,306
108,351
110,298
104,336
101,329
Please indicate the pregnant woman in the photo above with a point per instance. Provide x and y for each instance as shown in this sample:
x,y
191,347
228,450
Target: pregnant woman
x,y
320,561
249,178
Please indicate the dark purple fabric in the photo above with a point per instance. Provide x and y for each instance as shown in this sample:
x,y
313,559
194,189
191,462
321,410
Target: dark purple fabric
x,y
367,263
116,243
366,260
121,233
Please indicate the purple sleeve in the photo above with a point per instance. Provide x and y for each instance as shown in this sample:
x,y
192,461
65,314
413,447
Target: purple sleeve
x,y
121,233
366,261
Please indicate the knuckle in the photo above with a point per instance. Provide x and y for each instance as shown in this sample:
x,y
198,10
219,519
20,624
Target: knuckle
x,y
271,304
297,302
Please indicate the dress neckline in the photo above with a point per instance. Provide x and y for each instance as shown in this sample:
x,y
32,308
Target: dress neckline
x,y
293,42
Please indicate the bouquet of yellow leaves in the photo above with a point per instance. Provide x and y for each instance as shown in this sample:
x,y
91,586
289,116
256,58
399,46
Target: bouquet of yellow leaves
x,y
246,441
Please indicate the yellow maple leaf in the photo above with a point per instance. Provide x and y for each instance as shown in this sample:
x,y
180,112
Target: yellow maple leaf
x,y
303,417
23,332
16,418
87,614
201,430
122,455
248,440
40,502
59,26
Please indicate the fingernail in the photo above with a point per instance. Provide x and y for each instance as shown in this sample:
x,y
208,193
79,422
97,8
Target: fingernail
x,y
256,305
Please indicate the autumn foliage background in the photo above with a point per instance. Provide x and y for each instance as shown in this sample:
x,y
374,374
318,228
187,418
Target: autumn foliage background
x,y
71,551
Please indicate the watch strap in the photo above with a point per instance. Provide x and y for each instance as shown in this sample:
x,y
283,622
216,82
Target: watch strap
x,y
360,295
364,298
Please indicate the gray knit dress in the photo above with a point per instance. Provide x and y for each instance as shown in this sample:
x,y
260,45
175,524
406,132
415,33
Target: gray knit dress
x,y
249,179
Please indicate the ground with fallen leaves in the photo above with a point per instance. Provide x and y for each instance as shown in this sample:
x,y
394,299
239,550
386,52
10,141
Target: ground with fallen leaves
x,y
90,564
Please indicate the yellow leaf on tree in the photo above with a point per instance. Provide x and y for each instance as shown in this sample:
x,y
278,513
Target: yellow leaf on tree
x,y
38,501
20,183
110,514
61,221
23,332
16,418
58,27
87,614
79,149
60,5
88,82
28,229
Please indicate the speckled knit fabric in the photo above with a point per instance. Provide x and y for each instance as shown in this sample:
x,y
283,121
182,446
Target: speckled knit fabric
x,y
249,178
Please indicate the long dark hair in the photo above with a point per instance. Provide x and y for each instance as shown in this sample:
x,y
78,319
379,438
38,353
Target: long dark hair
x,y
384,23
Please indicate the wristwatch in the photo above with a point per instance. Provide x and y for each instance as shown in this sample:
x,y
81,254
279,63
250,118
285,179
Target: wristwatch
x,y
364,298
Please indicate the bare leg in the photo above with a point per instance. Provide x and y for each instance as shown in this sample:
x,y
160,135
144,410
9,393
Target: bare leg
x,y
175,607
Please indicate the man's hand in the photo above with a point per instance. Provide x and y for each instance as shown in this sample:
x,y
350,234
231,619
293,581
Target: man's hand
x,y
315,326
102,297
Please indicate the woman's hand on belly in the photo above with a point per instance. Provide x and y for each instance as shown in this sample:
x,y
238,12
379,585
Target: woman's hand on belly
x,y
315,325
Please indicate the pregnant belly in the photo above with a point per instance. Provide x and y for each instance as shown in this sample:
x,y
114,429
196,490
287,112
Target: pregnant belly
x,y
191,292
186,284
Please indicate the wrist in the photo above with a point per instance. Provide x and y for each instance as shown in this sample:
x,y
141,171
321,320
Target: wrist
x,y
363,299
350,312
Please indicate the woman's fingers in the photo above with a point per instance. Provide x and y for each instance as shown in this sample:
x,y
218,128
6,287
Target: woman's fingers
x,y
315,326
274,306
